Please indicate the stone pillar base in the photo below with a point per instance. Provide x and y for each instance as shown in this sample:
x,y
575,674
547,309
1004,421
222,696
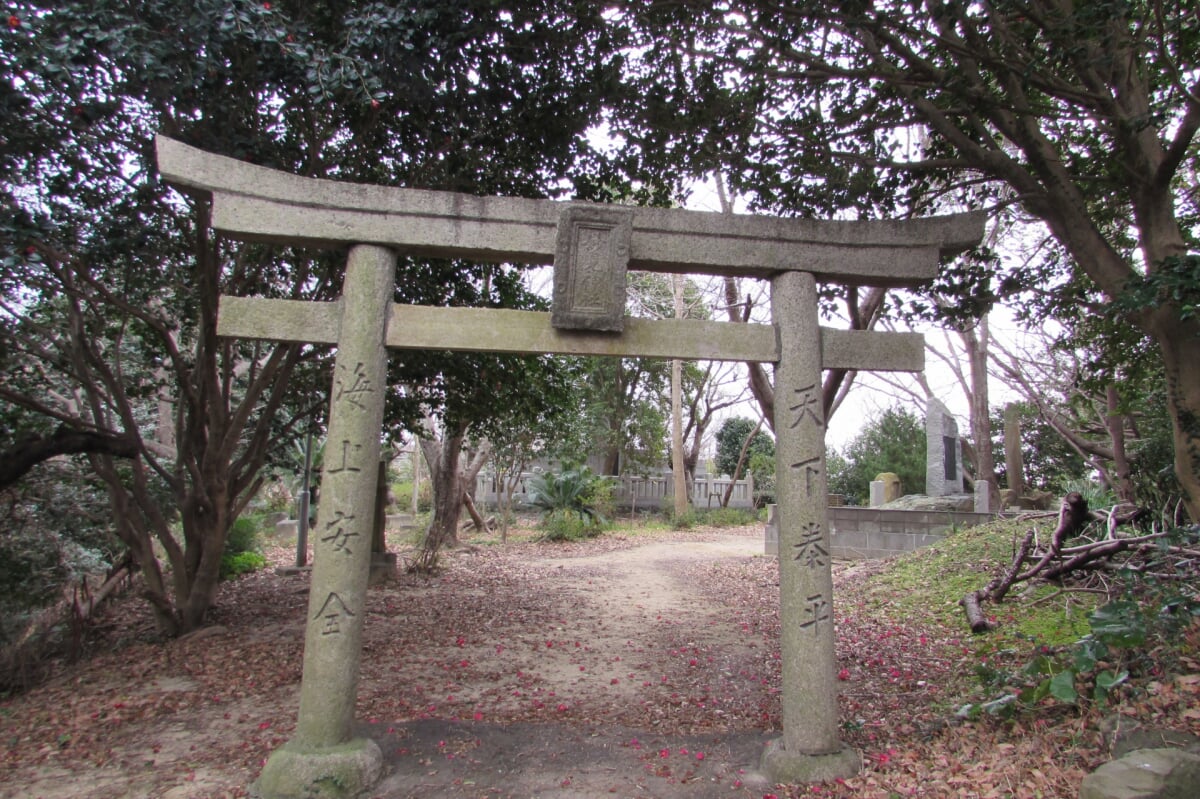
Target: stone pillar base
x,y
383,567
798,767
337,772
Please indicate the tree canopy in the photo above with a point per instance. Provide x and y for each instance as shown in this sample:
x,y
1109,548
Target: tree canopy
x,y
1080,117
110,280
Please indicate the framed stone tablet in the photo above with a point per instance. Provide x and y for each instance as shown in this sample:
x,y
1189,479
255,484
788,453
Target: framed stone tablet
x,y
590,260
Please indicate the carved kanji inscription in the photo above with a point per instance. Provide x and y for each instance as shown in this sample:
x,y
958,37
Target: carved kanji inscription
x,y
810,550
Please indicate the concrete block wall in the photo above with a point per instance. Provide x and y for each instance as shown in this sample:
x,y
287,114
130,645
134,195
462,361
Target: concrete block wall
x,y
865,533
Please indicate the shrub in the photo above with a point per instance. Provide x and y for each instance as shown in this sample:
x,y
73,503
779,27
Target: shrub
x,y
685,521
1130,638
565,527
403,493
568,502
241,563
243,549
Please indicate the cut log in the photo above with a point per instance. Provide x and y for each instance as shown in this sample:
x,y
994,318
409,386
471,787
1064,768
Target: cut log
x,y
1073,516
975,617
999,587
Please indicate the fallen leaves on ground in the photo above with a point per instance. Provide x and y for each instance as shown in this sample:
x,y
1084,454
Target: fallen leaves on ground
x,y
530,632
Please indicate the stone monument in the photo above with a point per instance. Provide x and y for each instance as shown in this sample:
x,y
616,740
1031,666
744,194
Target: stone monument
x,y
885,488
591,247
943,454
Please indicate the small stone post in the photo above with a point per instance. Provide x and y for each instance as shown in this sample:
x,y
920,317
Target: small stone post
x,y
878,496
983,496
323,759
1014,465
809,750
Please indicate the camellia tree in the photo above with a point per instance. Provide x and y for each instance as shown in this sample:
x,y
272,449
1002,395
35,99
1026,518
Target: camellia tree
x,y
1080,117
110,280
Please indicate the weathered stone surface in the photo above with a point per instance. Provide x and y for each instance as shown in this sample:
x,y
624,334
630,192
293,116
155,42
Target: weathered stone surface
x,y
771,531
1145,774
983,496
258,203
345,771
944,503
784,766
943,465
1125,735
809,697
892,490
322,760
530,332
590,260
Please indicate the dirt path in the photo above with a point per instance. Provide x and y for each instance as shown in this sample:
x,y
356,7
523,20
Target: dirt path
x,y
594,675
623,604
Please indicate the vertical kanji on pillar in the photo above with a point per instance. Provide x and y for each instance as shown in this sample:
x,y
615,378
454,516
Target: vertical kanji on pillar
x,y
809,697
324,752
342,540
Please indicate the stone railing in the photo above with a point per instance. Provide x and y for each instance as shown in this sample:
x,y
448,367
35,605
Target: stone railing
x,y
634,491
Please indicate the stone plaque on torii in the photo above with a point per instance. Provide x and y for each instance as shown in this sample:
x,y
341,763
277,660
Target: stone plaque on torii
x,y
591,247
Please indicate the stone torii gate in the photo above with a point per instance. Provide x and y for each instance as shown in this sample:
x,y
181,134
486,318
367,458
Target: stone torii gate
x,y
591,246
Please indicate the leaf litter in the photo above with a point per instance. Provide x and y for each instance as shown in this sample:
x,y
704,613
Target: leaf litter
x,y
660,650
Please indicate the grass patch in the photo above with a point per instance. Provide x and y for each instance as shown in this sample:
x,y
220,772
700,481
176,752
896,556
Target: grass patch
x,y
930,582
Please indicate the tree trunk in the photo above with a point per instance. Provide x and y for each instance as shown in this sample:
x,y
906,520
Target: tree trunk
x,y
1177,342
737,470
208,523
447,490
476,518
450,483
1114,421
976,340
679,471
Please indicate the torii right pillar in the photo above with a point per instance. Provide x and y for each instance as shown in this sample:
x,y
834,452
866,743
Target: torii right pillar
x,y
809,750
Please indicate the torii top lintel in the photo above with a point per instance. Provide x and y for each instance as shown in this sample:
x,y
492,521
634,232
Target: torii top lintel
x,y
257,203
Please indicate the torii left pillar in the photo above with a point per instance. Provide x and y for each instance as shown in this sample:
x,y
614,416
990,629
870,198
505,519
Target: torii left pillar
x,y
324,758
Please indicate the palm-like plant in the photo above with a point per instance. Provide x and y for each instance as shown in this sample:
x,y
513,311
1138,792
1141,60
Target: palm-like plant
x,y
566,492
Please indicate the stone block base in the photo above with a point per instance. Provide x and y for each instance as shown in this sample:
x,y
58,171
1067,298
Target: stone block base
x,y
383,567
338,772
798,767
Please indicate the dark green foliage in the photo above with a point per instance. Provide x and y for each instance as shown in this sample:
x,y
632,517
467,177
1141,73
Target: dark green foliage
x,y
732,436
110,280
622,412
241,563
243,548
567,491
567,500
54,529
1177,280
894,441
1070,125
762,468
